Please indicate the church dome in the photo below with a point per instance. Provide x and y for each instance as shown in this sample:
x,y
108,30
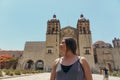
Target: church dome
x,y
101,44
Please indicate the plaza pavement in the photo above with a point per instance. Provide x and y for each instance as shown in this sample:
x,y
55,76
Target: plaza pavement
x,y
46,76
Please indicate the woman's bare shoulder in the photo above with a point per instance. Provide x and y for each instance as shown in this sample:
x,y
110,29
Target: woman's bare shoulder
x,y
56,61
82,59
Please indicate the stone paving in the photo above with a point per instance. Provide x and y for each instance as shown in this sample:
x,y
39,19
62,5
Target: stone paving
x,y
46,76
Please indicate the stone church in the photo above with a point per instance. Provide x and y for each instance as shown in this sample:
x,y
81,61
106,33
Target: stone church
x,y
106,55
41,54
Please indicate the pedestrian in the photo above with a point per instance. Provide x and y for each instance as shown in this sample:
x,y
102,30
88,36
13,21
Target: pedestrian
x,y
105,73
70,66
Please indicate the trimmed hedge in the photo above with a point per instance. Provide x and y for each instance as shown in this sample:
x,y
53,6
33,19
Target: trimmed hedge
x,y
11,72
1,75
115,73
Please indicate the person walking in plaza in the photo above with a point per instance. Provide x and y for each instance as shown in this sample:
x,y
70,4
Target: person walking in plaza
x,y
70,66
105,74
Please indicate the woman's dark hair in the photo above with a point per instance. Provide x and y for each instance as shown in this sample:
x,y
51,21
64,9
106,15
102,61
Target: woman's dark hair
x,y
70,44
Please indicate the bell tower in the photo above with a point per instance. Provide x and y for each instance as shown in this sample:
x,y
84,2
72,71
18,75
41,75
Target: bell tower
x,y
85,40
116,43
52,41
53,26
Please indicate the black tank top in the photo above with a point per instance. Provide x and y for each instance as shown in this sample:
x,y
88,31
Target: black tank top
x,y
66,68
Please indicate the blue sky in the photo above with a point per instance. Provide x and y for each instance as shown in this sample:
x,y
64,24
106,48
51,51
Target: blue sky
x,y
26,20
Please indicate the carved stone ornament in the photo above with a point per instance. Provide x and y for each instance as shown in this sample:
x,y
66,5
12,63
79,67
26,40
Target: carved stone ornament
x,y
68,32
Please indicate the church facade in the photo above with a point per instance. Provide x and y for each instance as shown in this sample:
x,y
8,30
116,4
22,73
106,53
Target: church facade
x,y
41,54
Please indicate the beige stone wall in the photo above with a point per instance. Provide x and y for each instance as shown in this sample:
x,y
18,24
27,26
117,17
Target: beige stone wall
x,y
52,43
116,57
33,51
104,56
85,43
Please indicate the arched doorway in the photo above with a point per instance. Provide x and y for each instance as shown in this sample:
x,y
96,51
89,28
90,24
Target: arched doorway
x,y
29,64
39,65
